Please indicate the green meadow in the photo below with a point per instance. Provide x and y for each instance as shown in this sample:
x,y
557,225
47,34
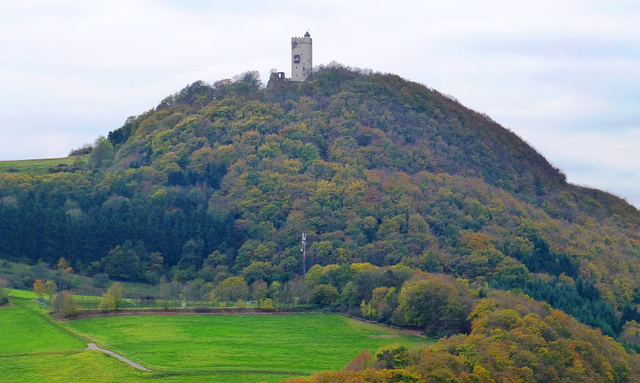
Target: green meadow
x,y
97,367
39,166
195,348
22,294
25,332
302,343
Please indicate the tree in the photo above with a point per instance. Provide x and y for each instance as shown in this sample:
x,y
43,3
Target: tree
x,y
51,288
259,290
168,291
260,271
393,358
154,267
441,307
122,262
113,298
100,280
382,302
39,287
249,78
361,362
323,252
117,291
62,264
192,253
102,153
194,290
214,259
107,303
231,289
350,296
4,292
324,295
274,291
64,304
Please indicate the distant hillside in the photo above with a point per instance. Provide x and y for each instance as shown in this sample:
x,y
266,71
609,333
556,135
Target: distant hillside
x,y
43,166
225,177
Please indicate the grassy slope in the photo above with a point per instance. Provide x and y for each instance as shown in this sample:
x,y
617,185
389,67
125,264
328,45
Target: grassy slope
x,y
23,331
38,166
296,343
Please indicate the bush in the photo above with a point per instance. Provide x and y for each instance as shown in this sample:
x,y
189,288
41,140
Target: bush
x,y
266,304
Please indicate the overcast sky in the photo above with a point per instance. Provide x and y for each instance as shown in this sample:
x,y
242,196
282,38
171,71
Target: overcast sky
x,y
563,74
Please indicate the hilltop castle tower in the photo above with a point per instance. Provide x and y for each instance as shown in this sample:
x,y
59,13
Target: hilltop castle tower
x,y
301,57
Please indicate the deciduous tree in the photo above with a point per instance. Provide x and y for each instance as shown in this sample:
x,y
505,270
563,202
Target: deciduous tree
x,y
231,289
39,287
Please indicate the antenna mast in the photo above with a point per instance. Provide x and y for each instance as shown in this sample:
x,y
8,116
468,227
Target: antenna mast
x,y
304,255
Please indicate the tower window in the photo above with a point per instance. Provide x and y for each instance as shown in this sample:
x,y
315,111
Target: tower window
x,y
296,58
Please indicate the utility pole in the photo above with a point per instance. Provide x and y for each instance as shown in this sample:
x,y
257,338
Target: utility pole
x,y
304,255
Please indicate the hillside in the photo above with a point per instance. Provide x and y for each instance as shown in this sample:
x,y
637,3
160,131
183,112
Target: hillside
x,y
221,180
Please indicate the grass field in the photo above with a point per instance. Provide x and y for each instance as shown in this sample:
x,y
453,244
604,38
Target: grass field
x,y
24,332
39,166
182,348
22,294
97,367
289,343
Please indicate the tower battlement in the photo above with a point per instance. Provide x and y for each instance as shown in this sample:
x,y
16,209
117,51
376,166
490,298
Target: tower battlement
x,y
301,57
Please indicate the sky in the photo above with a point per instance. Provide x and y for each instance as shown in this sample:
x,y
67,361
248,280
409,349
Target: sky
x,y
562,74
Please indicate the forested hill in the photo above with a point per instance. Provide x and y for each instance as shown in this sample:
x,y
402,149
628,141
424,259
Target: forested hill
x,y
221,180
370,122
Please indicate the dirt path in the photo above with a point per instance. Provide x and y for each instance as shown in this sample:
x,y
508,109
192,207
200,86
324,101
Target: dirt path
x,y
92,346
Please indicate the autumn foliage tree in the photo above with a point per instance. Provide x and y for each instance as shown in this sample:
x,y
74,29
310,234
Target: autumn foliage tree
x,y
39,287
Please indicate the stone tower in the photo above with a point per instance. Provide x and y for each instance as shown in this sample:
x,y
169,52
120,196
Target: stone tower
x,y
301,57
